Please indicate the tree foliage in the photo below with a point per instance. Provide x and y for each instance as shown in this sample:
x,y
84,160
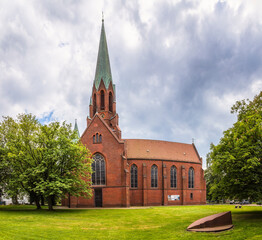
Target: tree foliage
x,y
236,162
42,160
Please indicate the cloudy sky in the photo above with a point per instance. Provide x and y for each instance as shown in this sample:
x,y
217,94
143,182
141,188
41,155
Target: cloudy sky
x,y
178,65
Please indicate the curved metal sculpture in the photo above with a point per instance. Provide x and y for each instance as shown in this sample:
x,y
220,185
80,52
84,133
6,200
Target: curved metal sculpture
x,y
213,223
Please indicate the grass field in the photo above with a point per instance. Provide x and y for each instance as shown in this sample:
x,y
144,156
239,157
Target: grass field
x,y
24,222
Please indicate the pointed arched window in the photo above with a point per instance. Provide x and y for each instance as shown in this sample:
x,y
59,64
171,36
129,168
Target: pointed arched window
x,y
191,178
102,100
110,102
173,177
154,177
97,138
94,104
133,176
98,168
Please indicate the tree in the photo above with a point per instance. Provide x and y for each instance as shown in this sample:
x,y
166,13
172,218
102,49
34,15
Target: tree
x,y
66,167
43,160
8,133
236,162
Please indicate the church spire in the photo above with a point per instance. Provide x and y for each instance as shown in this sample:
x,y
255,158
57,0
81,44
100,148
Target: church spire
x,y
103,99
103,70
76,129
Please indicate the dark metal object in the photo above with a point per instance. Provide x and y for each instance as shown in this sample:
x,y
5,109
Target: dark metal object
x,y
214,223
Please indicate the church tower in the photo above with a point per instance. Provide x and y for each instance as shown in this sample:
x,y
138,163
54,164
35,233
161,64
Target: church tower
x,y
103,99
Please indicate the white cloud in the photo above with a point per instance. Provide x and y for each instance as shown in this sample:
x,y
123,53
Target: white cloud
x,y
256,87
178,65
131,36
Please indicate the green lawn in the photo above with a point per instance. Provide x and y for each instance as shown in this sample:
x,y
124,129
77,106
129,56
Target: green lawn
x,y
24,222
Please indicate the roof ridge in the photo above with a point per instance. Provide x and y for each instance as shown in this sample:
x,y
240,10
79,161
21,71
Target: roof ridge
x,y
156,140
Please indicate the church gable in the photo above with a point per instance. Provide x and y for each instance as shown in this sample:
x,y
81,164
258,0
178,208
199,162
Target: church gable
x,y
99,132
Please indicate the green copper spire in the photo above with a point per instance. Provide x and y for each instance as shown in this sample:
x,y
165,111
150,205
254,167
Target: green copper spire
x,y
76,129
103,70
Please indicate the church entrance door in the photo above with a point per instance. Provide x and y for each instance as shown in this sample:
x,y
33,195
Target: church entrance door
x,y
98,197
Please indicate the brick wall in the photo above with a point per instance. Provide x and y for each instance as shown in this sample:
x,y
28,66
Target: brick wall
x,y
159,195
117,191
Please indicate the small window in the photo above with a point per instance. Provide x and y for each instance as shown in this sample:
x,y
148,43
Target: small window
x,y
173,177
94,104
154,176
133,176
191,178
191,196
97,138
110,102
102,100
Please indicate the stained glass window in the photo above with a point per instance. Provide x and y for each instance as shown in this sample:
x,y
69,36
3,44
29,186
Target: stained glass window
x,y
98,168
154,176
191,178
133,176
173,177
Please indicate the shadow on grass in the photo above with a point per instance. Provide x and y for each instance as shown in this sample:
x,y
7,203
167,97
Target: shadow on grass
x,y
19,208
32,208
249,215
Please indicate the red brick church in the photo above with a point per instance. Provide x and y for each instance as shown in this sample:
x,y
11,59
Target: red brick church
x,y
134,172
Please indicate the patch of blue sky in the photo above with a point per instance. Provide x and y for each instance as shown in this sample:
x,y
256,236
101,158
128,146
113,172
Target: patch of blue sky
x,y
47,118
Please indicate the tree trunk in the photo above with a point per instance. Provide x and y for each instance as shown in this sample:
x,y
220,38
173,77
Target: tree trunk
x,y
37,202
15,200
31,198
50,203
53,200
42,200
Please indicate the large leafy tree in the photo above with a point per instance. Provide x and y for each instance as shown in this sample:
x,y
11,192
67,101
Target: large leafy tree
x,y
42,160
235,169
8,143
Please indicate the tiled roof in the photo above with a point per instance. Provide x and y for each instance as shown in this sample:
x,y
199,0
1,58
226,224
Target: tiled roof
x,y
163,150
103,70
